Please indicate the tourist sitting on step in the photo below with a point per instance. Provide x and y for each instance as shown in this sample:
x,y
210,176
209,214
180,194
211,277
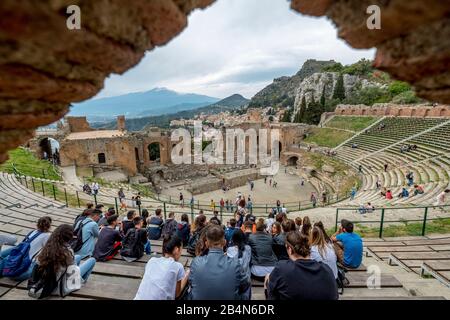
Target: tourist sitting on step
x,y
241,251
441,199
133,244
306,226
351,244
298,223
127,223
323,251
86,213
170,225
88,229
154,225
109,241
249,227
389,195
300,277
404,193
184,229
216,276
263,257
269,221
18,262
418,190
164,277
197,230
58,268
229,231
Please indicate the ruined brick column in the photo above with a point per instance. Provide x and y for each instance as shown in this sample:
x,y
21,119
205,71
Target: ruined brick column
x,y
44,66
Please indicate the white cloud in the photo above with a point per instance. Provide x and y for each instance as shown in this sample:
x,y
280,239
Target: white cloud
x,y
236,46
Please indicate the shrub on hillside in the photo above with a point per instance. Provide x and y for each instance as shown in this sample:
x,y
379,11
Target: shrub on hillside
x,y
398,87
407,97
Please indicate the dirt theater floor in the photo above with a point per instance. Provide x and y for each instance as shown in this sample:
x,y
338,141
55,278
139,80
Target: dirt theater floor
x,y
287,190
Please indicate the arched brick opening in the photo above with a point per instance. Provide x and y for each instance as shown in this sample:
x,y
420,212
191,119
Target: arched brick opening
x,y
292,161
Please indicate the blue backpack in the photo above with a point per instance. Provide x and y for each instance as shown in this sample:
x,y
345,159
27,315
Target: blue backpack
x,y
19,260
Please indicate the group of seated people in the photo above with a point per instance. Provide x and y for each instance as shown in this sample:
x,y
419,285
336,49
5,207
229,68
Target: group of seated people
x,y
366,208
294,259
404,193
408,147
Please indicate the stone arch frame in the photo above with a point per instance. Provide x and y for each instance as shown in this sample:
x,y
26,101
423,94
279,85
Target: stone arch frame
x,y
289,160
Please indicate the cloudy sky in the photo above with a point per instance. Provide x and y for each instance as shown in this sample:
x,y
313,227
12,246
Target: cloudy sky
x,y
235,46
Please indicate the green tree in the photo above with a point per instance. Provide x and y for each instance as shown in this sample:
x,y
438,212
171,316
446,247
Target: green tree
x,y
322,98
339,90
287,115
397,87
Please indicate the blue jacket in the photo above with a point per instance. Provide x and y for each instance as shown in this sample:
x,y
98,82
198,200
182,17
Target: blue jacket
x,y
90,235
216,276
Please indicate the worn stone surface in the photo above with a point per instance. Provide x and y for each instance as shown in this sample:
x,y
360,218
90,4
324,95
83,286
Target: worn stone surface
x,y
44,66
390,109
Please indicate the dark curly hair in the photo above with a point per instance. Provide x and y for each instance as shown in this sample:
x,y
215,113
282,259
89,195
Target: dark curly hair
x,y
56,253
44,224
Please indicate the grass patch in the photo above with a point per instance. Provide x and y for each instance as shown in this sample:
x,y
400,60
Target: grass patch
x,y
327,137
26,163
351,123
441,225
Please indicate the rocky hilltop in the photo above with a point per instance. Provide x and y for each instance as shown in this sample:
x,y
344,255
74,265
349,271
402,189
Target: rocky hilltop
x,y
284,89
320,86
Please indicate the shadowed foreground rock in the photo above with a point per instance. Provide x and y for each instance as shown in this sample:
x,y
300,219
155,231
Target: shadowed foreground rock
x,y
44,66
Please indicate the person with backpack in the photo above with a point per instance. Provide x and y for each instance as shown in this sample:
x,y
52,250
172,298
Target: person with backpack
x,y
241,251
229,231
18,262
86,213
154,226
58,270
128,222
184,229
109,241
199,225
170,225
86,234
134,241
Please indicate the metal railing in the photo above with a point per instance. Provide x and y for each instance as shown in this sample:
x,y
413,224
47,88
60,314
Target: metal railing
x,y
383,213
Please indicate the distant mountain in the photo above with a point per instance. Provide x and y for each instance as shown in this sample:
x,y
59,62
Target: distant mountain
x,y
154,102
230,103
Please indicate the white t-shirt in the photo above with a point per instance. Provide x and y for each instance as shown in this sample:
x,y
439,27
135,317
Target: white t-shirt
x,y
329,257
37,244
160,279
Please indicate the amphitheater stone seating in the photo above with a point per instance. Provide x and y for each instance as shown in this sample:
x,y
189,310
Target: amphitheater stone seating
x,y
430,163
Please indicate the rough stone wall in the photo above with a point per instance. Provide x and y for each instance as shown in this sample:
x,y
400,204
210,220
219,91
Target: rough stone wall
x,y
77,124
387,109
413,42
119,153
44,66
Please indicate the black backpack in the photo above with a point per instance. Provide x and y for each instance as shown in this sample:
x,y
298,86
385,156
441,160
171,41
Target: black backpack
x,y
42,282
341,280
130,244
77,243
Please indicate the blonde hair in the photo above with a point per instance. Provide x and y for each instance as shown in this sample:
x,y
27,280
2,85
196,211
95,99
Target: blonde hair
x,y
318,239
